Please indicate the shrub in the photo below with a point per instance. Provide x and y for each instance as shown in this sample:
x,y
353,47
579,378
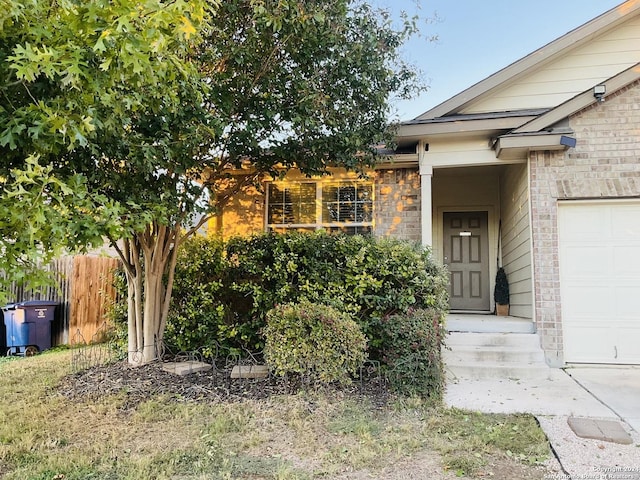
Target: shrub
x,y
501,291
222,292
200,316
365,276
313,340
412,352
196,315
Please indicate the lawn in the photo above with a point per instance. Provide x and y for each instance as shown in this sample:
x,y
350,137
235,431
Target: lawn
x,y
48,436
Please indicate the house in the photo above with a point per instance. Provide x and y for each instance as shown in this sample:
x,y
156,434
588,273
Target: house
x,y
535,168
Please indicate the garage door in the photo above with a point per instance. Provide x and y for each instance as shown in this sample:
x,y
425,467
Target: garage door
x,y
599,259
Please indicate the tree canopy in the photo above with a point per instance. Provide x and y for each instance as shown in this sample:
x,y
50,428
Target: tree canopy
x,y
135,120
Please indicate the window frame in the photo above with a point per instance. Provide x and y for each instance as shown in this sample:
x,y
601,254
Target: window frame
x,y
320,223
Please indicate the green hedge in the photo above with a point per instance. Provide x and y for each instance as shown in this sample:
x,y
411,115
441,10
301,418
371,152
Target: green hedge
x,y
365,276
412,352
313,341
198,314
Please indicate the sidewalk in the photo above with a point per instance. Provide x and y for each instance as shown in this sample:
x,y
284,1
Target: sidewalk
x,y
599,393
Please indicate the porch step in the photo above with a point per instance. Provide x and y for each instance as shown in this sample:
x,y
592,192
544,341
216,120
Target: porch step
x,y
521,341
494,355
488,324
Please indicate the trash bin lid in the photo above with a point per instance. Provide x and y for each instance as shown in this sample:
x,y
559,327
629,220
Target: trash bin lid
x,y
36,303
10,306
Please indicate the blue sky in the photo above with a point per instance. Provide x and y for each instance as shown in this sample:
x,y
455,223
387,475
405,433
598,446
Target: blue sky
x,y
480,37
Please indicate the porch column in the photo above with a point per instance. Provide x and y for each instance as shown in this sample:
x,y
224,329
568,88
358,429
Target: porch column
x,y
426,174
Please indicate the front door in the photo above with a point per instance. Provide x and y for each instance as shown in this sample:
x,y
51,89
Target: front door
x,y
466,253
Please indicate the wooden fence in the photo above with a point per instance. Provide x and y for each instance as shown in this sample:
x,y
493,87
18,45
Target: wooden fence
x,y
84,290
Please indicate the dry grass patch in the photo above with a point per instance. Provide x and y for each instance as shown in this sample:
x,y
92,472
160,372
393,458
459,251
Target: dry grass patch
x,y
305,436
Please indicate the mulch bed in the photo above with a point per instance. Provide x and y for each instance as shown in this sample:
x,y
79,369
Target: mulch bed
x,y
139,384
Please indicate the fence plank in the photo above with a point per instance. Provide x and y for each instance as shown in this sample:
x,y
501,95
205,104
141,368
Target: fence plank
x,y
61,269
91,293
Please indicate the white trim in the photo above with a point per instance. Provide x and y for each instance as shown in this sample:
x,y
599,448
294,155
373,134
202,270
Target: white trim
x,y
426,196
426,208
319,183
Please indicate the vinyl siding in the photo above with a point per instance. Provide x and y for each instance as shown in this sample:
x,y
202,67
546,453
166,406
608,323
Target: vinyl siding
x,y
516,239
563,78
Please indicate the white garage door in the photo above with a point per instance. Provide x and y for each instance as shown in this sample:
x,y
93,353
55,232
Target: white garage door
x,y
599,260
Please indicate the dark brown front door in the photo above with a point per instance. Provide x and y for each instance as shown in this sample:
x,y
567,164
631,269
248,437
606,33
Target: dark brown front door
x,y
466,252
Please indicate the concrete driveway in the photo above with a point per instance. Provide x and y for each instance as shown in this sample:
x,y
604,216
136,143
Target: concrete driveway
x,y
616,387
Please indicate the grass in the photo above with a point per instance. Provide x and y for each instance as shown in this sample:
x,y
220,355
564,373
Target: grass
x,y
44,436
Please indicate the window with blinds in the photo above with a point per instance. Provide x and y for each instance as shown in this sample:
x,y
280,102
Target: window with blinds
x,y
345,206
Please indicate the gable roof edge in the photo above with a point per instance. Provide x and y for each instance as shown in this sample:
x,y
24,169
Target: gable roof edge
x,y
568,41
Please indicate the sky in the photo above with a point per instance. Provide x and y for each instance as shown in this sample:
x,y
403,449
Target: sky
x,y
476,38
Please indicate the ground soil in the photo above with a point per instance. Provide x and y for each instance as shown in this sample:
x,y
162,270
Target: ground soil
x,y
214,386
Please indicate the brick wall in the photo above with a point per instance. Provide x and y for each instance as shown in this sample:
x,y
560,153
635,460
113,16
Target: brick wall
x,y
604,164
396,209
397,206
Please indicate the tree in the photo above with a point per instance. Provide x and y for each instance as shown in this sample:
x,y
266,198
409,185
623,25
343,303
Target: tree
x,y
144,118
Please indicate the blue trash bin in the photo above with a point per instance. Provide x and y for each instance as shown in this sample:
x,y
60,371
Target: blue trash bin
x,y
28,326
3,336
17,329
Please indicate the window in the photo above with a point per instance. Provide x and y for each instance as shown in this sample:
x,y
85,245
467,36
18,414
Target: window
x,y
335,206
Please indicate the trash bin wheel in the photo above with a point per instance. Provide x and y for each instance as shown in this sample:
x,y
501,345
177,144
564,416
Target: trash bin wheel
x,y
30,351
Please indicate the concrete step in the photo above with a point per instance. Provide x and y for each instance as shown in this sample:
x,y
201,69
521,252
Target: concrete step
x,y
494,355
492,370
522,341
488,324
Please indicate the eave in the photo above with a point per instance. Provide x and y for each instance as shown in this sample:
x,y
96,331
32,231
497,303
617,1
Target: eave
x,y
510,146
489,124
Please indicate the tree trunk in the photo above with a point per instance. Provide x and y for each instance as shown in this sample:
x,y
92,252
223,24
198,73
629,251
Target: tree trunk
x,y
150,260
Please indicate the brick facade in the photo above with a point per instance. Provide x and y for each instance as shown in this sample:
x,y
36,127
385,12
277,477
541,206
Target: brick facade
x,y
604,164
397,206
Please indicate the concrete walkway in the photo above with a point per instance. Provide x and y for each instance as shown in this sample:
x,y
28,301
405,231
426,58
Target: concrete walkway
x,y
603,393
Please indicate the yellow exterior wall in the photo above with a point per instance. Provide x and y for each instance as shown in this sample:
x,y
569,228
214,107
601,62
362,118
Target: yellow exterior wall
x,y
396,205
242,216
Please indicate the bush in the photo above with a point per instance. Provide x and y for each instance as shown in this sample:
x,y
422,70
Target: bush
x,y
412,352
206,310
501,291
197,315
313,340
365,276
223,291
